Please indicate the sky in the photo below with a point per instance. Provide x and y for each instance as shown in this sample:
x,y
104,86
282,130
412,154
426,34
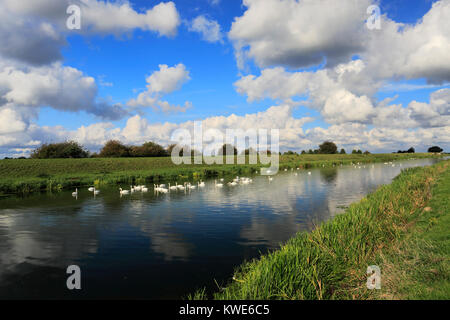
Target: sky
x,y
137,70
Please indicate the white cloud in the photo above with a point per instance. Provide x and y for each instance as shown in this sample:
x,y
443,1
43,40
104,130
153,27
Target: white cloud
x,y
35,30
300,33
56,86
162,82
210,29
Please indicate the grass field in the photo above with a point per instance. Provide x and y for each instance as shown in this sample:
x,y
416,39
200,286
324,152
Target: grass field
x,y
31,175
402,228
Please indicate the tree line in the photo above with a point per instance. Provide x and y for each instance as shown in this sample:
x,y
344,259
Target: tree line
x,y
116,149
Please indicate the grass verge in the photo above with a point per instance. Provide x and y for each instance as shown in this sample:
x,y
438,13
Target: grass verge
x,y
331,261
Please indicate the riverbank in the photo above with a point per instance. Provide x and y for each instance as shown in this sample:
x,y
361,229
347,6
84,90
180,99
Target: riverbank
x,y
402,228
34,175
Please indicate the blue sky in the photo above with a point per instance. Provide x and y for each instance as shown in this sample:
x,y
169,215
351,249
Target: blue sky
x,y
120,62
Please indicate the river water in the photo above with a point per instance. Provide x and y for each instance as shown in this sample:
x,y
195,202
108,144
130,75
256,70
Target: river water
x,y
165,246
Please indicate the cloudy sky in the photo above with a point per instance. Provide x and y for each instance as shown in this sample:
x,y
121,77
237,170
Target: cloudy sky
x,y
137,70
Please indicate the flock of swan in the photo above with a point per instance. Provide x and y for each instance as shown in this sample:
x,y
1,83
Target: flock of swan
x,y
162,188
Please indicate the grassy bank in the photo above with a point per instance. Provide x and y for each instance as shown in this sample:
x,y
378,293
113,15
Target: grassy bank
x,y
30,175
402,228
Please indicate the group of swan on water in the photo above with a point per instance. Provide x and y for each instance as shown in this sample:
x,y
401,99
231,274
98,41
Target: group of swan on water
x,y
162,188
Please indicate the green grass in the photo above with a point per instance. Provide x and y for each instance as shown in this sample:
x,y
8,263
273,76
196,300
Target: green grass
x,y
331,261
31,175
418,266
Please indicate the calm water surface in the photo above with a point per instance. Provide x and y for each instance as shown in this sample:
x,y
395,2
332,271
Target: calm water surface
x,y
167,245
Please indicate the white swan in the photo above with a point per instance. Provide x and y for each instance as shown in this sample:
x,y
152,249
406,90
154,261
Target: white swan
x,y
309,173
219,185
144,189
270,178
173,187
96,191
91,189
74,194
124,191
201,184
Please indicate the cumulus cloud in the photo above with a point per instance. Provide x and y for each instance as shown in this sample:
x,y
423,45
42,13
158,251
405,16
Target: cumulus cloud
x,y
56,86
209,29
300,33
164,81
292,134
36,30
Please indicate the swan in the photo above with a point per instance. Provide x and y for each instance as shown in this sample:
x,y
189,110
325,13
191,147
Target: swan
x,y
124,191
182,187
96,191
144,189
173,187
309,173
91,189
74,194
234,183
270,178
137,188
191,186
201,184
219,185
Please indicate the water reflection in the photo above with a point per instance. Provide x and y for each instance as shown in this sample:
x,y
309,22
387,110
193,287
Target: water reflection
x,y
147,245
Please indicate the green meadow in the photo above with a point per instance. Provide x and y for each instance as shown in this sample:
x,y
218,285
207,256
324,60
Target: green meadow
x,y
32,175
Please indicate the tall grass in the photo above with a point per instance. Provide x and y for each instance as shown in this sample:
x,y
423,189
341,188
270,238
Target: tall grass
x,y
331,261
30,175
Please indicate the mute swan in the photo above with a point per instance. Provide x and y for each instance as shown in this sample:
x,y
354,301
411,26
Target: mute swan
x,y
91,189
96,191
144,189
173,187
74,194
201,184
219,185
124,191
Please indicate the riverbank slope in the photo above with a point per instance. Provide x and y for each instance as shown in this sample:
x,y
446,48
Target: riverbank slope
x,y
402,228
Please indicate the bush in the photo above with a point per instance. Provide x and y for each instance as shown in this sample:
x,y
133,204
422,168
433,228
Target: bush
x,y
228,149
68,149
114,149
148,149
328,147
435,149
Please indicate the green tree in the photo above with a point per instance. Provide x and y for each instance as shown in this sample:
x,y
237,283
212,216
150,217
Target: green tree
x,y
227,149
148,149
328,147
342,151
114,149
435,149
68,149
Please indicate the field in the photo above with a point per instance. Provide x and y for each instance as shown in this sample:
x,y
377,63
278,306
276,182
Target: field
x,y
402,228
31,175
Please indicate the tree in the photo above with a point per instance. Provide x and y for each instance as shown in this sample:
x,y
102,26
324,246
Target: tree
x,y
328,147
68,149
228,149
114,149
366,152
303,152
310,151
342,151
411,150
148,149
435,149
